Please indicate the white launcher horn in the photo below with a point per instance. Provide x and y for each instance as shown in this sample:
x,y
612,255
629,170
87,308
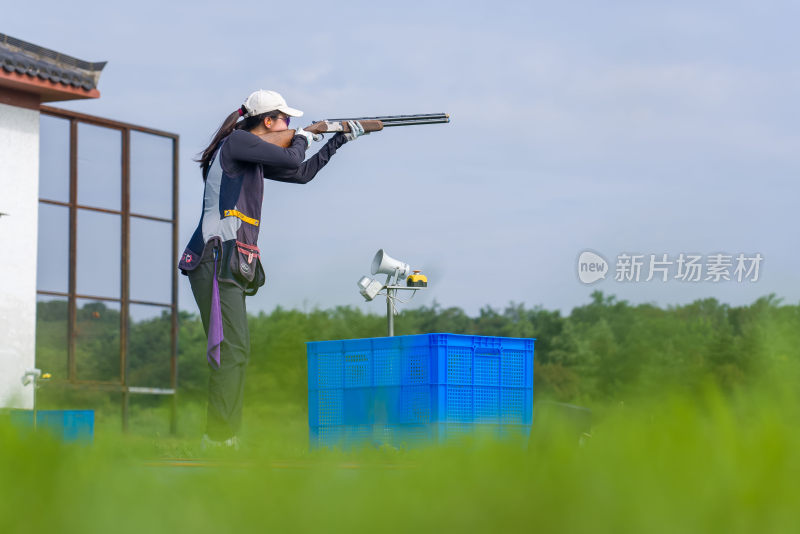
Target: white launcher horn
x,y
382,263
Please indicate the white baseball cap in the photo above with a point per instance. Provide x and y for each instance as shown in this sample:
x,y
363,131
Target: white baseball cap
x,y
263,101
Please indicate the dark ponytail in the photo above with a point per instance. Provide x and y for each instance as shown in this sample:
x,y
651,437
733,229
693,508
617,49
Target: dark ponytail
x,y
229,125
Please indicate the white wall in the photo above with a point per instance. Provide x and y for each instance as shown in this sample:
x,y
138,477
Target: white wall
x,y
19,194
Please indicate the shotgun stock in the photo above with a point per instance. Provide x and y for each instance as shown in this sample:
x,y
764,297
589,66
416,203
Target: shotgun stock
x,y
370,124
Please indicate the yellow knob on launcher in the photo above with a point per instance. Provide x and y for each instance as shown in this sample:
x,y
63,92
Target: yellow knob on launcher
x,y
417,279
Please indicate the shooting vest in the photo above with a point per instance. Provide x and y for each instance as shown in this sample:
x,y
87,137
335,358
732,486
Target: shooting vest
x,y
230,223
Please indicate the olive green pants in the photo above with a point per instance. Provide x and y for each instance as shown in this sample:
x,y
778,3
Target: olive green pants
x,y
225,384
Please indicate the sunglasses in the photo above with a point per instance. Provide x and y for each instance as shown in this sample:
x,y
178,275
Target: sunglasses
x,y
286,119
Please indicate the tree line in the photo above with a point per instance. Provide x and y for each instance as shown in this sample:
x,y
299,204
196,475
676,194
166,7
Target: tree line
x,y
605,350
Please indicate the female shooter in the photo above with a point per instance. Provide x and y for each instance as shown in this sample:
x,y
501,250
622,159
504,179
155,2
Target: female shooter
x,y
222,258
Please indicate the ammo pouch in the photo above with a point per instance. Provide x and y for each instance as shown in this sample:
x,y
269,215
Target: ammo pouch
x,y
244,264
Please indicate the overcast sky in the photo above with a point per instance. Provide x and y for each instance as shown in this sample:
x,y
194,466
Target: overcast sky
x,y
618,127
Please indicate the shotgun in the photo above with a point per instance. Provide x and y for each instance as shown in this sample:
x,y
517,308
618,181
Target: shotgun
x,y
370,124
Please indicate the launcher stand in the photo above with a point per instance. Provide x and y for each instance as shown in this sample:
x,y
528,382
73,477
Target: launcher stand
x,y
391,309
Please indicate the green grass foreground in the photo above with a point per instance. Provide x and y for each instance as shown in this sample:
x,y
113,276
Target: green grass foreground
x,y
696,429
710,462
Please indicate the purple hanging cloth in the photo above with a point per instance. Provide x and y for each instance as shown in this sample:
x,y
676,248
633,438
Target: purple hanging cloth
x,y
215,335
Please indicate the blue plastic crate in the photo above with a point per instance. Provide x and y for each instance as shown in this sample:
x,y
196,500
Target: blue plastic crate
x,y
69,425
407,390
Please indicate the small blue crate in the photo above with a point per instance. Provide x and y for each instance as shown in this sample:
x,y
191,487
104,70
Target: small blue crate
x,y
409,390
69,425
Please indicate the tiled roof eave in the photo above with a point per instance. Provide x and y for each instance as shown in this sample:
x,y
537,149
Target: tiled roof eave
x,y
44,89
21,64
46,70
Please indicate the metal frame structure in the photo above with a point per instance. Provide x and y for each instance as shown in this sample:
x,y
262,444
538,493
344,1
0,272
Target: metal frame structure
x,y
124,300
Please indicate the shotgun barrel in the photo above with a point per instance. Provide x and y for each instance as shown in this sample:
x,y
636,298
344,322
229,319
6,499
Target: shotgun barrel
x,y
403,120
414,123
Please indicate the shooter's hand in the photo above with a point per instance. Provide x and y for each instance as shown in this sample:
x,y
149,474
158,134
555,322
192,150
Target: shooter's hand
x,y
308,135
356,130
